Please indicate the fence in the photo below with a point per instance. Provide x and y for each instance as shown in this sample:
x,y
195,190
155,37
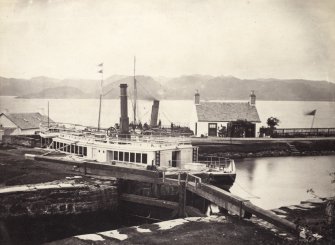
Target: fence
x,y
302,132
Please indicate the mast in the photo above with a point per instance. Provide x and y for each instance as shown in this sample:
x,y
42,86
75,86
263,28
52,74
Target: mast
x,y
48,116
100,99
135,92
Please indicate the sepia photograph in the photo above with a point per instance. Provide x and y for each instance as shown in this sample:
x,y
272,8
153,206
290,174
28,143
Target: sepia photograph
x,y
167,121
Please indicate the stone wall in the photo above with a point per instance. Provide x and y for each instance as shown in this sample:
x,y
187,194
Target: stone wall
x,y
19,140
51,199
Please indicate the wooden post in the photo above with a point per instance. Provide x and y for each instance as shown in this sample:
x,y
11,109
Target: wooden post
x,y
182,199
85,168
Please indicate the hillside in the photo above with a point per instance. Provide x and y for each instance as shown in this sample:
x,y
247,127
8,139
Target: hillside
x,y
17,87
183,87
232,88
57,93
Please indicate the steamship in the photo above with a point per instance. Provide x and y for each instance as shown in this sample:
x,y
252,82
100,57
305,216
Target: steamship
x,y
169,154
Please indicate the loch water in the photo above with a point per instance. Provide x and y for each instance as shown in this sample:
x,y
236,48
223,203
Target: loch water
x,y
85,111
273,182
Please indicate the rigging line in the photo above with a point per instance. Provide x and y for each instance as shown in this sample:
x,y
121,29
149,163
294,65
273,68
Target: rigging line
x,y
249,193
133,104
108,92
166,117
145,89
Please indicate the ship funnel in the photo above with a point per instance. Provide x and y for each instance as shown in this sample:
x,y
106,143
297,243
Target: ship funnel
x,y
124,119
154,113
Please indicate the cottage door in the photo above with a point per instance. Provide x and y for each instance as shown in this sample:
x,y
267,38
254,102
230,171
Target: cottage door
x,y
212,129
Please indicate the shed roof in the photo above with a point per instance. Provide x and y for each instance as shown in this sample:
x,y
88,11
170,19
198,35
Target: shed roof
x,y
226,112
27,120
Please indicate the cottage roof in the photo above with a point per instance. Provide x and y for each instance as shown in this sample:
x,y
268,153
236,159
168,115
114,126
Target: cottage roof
x,y
27,120
226,112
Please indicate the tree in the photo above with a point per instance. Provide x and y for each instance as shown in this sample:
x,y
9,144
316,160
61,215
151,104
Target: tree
x,y
272,122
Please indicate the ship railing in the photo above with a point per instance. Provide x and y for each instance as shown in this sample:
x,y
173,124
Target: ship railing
x,y
218,163
190,178
150,140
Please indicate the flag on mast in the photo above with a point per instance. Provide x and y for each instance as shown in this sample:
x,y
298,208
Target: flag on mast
x,y
101,64
311,113
101,71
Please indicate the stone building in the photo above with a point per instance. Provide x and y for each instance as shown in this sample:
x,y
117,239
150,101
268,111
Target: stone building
x,y
226,119
22,123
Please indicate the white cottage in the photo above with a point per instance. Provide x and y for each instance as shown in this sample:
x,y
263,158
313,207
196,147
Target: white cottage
x,y
22,123
238,119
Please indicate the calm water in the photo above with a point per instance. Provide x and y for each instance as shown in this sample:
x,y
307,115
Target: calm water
x,y
85,111
281,181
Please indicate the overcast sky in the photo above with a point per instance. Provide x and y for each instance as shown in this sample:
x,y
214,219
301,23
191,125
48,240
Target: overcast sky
x,y
247,39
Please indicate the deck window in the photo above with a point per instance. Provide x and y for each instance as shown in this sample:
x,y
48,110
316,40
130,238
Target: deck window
x,y
132,157
138,157
61,146
126,156
120,155
80,150
85,151
116,155
145,158
76,149
72,148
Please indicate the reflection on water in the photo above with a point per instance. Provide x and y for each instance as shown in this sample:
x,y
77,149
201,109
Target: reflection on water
x,y
281,181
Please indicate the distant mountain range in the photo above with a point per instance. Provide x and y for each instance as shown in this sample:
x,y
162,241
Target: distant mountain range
x,y
183,87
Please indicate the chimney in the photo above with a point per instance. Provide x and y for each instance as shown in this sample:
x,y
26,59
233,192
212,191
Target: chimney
x,y
252,98
124,119
197,98
154,113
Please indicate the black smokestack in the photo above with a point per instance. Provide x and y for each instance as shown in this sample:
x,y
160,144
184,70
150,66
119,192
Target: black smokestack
x,y
154,113
124,119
